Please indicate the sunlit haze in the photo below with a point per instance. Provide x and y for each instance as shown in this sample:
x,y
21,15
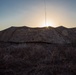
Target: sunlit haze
x,y
48,23
31,13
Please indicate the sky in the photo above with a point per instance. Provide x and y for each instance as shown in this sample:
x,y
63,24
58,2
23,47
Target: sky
x,y
31,13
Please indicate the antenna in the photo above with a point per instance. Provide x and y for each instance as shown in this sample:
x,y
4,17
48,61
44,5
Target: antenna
x,y
45,10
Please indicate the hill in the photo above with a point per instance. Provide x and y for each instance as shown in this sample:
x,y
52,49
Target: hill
x,y
60,35
38,51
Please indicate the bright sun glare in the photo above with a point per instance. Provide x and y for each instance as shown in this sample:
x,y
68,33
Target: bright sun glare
x,y
47,24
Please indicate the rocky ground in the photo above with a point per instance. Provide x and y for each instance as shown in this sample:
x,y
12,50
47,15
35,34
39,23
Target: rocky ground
x,y
39,51
37,59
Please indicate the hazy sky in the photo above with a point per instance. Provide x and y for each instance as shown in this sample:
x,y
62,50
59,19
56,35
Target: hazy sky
x,y
32,13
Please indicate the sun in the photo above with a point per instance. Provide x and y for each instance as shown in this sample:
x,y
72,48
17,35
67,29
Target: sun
x,y
48,24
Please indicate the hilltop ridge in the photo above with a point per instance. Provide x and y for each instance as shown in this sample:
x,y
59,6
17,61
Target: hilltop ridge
x,y
61,35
